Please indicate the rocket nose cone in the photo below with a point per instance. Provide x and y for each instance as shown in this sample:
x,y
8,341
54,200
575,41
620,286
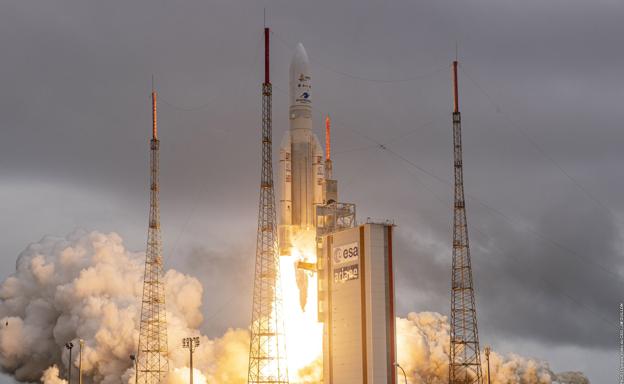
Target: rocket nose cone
x,y
300,77
300,58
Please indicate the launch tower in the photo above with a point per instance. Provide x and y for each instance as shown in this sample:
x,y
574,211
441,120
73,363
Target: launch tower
x,y
152,361
464,359
267,351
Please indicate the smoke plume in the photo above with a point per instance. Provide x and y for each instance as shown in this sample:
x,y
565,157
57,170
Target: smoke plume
x,y
88,286
423,351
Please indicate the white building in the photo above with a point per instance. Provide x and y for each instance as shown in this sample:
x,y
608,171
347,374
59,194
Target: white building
x,y
356,304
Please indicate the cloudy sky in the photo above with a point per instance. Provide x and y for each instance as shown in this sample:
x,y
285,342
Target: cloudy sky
x,y
540,92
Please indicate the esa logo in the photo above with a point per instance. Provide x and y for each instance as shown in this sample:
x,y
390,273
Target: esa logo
x,y
346,253
305,95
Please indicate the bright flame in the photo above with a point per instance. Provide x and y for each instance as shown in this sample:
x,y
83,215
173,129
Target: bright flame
x,y
304,334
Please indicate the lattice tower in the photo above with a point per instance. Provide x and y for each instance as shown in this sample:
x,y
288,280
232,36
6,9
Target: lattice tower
x,y
152,352
464,358
267,350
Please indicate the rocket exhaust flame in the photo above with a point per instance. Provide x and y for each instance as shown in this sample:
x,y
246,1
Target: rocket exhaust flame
x,y
304,334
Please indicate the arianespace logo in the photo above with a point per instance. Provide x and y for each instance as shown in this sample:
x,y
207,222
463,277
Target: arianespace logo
x,y
346,253
303,89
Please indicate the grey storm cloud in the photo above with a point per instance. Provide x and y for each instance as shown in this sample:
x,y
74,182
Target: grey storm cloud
x,y
540,96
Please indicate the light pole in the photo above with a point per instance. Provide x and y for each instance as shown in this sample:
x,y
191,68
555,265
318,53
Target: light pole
x,y
191,343
487,357
136,368
80,362
402,370
69,345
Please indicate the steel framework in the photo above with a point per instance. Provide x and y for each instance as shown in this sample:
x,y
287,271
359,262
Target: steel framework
x,y
152,361
464,358
267,349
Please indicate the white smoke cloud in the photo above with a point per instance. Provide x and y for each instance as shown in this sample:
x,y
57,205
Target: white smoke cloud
x,y
88,286
51,376
423,351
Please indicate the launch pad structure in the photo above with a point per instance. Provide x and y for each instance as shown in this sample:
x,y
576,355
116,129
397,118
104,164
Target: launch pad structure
x,y
352,265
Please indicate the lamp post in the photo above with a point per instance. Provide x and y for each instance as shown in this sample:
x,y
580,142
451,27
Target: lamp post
x,y
69,345
136,368
191,343
80,362
402,370
487,357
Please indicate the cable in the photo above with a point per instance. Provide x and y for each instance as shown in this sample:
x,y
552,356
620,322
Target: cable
x,y
335,121
548,283
385,147
353,150
411,131
483,233
193,209
512,222
538,147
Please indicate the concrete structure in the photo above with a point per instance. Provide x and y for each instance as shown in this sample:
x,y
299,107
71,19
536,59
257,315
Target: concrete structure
x,y
356,304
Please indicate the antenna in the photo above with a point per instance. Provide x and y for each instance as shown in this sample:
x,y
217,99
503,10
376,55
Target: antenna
x,y
455,92
267,79
154,112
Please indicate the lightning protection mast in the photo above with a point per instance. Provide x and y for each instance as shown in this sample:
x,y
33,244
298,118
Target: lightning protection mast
x,y
267,349
152,361
464,359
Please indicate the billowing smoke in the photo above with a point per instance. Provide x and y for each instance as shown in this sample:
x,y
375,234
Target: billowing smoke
x,y
423,351
88,286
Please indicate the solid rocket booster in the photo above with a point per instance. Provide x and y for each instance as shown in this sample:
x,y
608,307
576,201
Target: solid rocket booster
x,y
301,158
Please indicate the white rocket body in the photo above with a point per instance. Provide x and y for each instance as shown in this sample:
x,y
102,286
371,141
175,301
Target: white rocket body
x,y
301,159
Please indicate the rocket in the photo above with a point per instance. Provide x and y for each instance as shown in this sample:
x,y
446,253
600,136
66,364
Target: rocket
x,y
301,166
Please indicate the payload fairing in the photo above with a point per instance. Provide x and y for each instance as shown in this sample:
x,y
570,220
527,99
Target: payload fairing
x,y
301,159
